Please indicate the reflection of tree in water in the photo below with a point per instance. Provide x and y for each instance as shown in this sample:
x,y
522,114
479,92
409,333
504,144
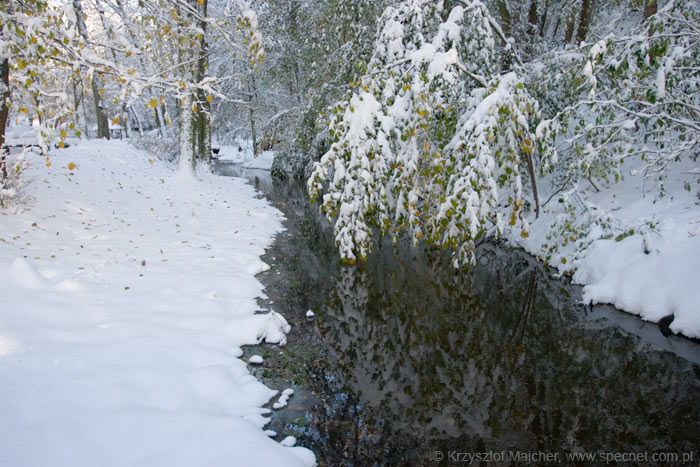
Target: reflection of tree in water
x,y
486,360
496,358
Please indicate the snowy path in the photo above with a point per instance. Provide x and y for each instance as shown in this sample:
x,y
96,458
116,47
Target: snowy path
x,y
126,294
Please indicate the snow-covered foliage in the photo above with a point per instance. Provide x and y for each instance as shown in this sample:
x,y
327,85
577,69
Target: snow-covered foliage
x,y
10,180
314,49
129,56
639,87
430,140
628,106
36,36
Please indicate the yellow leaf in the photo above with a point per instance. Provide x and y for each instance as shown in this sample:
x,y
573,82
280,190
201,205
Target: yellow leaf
x,y
150,161
115,121
63,133
524,234
194,107
48,164
153,102
210,98
61,145
71,166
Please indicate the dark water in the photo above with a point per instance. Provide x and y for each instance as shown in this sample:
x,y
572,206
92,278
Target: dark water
x,y
406,361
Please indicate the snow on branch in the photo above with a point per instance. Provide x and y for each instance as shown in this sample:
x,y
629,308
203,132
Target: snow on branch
x,y
430,140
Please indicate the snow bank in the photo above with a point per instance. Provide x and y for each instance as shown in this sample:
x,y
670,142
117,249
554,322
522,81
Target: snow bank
x,y
241,152
126,296
653,272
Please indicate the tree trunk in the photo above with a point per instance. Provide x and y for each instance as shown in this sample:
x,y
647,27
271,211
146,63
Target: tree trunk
x,y
533,180
504,14
160,118
139,125
294,33
650,9
543,20
186,160
188,73
570,26
584,23
125,120
85,117
251,110
110,34
203,118
252,129
207,133
4,112
102,123
532,17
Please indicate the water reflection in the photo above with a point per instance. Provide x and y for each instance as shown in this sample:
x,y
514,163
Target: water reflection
x,y
502,357
261,179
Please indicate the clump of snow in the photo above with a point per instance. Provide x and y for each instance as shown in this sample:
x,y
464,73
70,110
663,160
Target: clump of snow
x,y
310,314
272,328
289,441
284,399
255,360
126,296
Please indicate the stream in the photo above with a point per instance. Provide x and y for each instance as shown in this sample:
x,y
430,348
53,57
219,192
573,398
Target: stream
x,y
407,363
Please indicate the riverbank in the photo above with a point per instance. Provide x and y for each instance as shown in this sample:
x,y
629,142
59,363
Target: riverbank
x,y
633,244
127,295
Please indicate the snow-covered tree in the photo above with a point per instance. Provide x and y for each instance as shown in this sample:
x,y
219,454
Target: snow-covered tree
x,y
313,50
623,90
149,52
431,140
626,105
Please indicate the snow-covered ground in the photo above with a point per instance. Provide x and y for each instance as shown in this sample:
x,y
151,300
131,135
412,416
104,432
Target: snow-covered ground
x,y
127,292
651,265
241,152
